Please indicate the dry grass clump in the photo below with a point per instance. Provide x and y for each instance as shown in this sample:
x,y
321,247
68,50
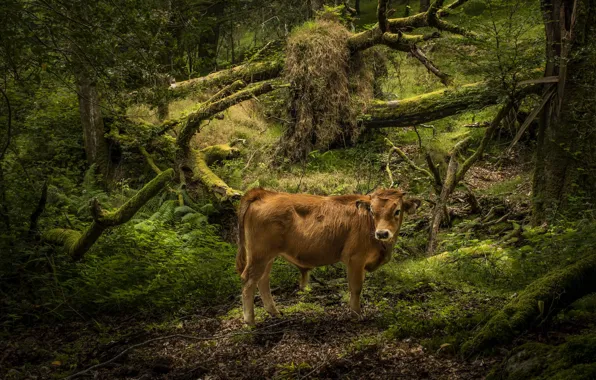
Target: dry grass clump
x,y
318,67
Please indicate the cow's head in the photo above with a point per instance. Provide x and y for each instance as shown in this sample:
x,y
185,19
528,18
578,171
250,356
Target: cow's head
x,y
387,208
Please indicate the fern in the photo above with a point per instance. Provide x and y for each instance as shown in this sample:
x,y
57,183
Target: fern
x,y
194,219
90,180
181,211
165,213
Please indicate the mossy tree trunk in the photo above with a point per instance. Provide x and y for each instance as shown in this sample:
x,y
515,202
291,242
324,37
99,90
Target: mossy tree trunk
x,y
565,169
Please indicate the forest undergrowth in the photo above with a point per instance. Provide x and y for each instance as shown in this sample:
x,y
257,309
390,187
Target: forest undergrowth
x,y
158,297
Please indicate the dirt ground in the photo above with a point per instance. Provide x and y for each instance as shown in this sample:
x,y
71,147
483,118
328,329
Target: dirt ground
x,y
326,343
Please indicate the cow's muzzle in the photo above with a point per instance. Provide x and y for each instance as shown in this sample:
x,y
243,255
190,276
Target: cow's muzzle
x,y
383,235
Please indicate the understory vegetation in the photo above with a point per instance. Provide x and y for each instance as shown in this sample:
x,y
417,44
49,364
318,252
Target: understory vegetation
x,y
97,256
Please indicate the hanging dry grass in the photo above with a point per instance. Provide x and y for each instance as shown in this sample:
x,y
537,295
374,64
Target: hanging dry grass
x,y
328,88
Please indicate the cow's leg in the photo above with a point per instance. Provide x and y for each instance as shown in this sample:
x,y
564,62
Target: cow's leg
x,y
265,292
304,275
355,281
250,277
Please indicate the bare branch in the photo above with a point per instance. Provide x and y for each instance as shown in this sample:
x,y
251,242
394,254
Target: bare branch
x,y
408,161
419,55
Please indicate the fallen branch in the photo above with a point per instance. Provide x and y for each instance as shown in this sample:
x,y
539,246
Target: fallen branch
x,y
77,243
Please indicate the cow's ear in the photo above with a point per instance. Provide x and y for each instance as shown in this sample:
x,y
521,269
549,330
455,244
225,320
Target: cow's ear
x,y
363,204
410,205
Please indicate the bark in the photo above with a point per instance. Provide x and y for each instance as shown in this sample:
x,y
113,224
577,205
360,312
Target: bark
x,y
77,244
538,301
96,145
565,170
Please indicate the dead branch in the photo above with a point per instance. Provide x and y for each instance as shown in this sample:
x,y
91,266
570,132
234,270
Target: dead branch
x,y
411,163
150,160
419,55
179,336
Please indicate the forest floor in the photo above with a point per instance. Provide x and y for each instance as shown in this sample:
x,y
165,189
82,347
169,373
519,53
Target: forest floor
x,y
318,339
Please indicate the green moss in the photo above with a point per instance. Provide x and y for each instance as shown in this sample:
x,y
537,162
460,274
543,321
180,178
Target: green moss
x,y
556,289
573,359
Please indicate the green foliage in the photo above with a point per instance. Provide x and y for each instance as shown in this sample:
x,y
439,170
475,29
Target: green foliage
x,y
155,268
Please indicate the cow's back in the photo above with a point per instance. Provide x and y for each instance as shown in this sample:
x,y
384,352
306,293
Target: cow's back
x,y
308,230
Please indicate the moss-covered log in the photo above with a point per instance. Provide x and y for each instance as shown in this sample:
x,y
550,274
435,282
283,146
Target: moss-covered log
x,y
77,243
199,162
248,73
555,290
428,107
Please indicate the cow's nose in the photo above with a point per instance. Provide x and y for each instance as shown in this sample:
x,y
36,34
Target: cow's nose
x,y
382,234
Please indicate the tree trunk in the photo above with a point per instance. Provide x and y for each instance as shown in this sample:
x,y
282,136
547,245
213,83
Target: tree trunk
x,y
357,6
565,172
424,5
96,145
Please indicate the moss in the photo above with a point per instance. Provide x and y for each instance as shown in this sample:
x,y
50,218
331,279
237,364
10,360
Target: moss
x,y
430,106
573,359
559,288
199,161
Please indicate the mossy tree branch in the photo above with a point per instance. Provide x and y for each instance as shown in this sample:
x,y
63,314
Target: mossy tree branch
x,y
539,300
199,162
247,73
77,243
191,122
434,105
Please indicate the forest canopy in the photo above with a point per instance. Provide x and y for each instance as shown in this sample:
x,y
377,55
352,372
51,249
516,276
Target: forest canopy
x,y
130,131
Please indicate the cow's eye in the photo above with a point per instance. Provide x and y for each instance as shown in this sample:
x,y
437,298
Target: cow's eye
x,y
397,212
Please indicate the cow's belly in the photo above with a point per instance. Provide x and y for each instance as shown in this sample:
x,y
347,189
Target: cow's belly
x,y
309,255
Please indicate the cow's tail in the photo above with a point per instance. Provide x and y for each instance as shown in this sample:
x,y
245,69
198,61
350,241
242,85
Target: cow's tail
x,y
245,202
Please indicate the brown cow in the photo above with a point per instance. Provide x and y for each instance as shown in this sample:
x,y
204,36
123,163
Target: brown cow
x,y
310,231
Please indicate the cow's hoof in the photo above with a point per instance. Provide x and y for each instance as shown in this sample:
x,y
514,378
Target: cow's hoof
x,y
275,313
356,314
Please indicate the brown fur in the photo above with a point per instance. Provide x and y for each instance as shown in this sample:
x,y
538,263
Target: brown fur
x,y
311,231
